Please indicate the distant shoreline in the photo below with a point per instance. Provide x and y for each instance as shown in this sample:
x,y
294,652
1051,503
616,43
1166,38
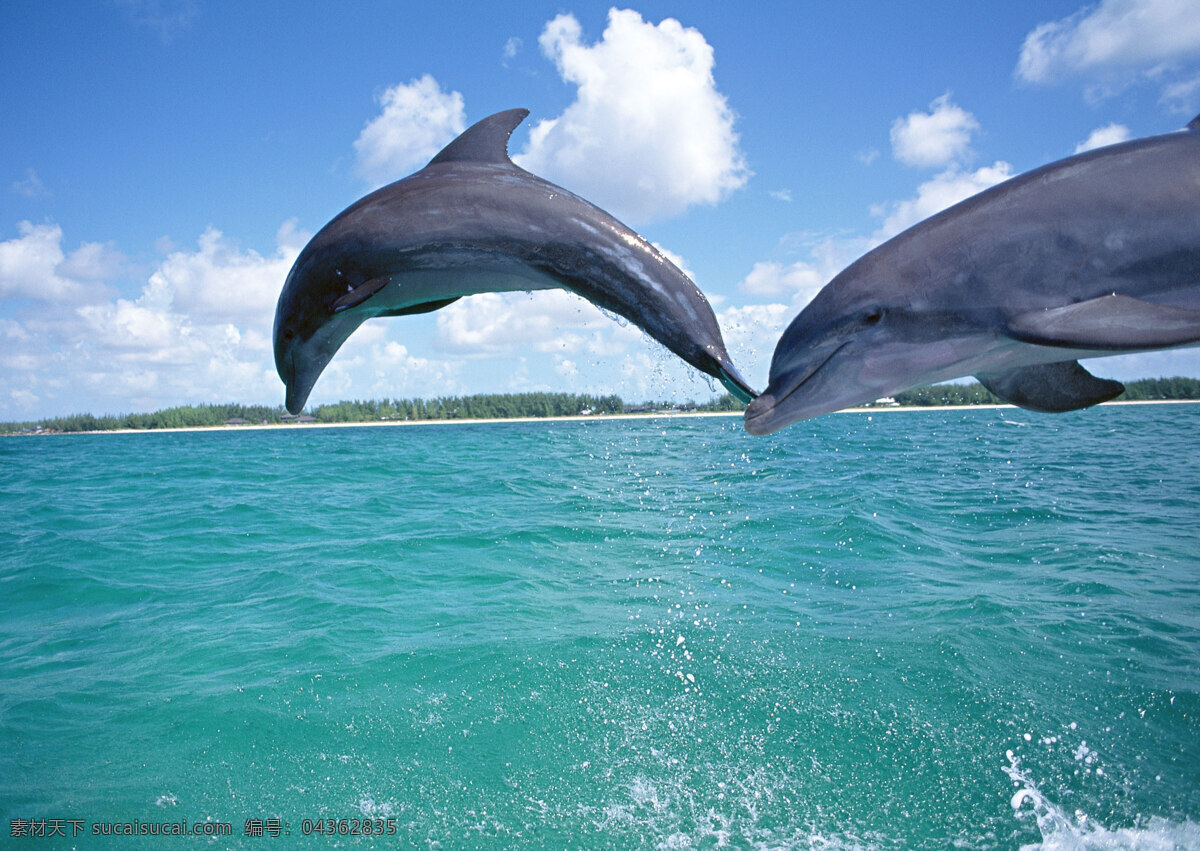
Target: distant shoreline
x,y
578,418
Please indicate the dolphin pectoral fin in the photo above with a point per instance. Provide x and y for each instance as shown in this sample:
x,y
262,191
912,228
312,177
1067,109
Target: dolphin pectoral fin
x,y
359,294
1115,322
1051,387
424,307
735,384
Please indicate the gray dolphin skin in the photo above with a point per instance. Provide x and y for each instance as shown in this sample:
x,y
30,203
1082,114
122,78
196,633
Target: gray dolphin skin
x,y
1097,254
471,222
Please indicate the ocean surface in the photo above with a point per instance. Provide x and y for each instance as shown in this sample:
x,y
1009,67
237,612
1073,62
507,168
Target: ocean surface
x,y
925,629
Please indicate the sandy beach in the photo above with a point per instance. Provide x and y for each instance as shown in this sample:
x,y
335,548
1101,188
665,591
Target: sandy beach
x,y
594,417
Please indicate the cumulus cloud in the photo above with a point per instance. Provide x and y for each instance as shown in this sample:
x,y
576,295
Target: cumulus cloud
x,y
771,278
936,138
416,121
752,330
597,352
649,134
221,283
935,195
492,324
34,266
799,281
379,367
1114,34
209,311
1109,134
1114,43
198,330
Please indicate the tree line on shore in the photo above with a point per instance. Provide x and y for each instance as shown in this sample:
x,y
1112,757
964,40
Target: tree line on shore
x,y
482,407
1143,390
514,405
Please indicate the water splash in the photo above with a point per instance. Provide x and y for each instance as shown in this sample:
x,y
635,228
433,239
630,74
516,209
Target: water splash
x,y
1061,831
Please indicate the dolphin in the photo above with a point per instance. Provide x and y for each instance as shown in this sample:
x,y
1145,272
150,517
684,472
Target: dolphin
x,y
1096,254
470,222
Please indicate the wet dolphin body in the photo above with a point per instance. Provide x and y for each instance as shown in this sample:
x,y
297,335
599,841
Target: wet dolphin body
x,y
470,222
1097,254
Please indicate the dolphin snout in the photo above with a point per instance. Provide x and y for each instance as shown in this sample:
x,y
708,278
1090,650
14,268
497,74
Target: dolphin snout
x,y
757,417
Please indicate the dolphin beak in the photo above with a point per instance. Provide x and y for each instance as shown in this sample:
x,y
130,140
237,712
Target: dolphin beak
x,y
300,362
786,399
298,382
297,391
759,419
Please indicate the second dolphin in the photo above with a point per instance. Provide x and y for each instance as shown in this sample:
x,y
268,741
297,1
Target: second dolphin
x,y
1097,254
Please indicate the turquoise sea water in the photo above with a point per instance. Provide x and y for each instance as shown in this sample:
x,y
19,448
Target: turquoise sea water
x,y
908,629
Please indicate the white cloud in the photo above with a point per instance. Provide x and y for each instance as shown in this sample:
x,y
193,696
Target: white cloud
x,y
491,324
221,283
781,194
92,261
936,138
1113,43
511,48
1109,134
935,195
34,266
649,134
145,329
594,351
751,333
801,280
770,278
31,186
389,369
199,330
1182,96
418,119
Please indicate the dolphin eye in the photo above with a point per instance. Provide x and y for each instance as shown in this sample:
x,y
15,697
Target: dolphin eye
x,y
872,317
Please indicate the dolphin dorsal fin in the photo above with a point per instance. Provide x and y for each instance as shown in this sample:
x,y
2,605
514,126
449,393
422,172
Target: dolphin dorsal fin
x,y
1194,124
485,141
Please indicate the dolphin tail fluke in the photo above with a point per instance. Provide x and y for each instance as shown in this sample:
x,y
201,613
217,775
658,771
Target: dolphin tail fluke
x,y
1051,387
735,384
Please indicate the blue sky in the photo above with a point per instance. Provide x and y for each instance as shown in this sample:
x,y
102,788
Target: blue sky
x,y
163,162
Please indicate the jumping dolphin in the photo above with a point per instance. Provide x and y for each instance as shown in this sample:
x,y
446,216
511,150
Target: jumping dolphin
x,y
1097,254
471,222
